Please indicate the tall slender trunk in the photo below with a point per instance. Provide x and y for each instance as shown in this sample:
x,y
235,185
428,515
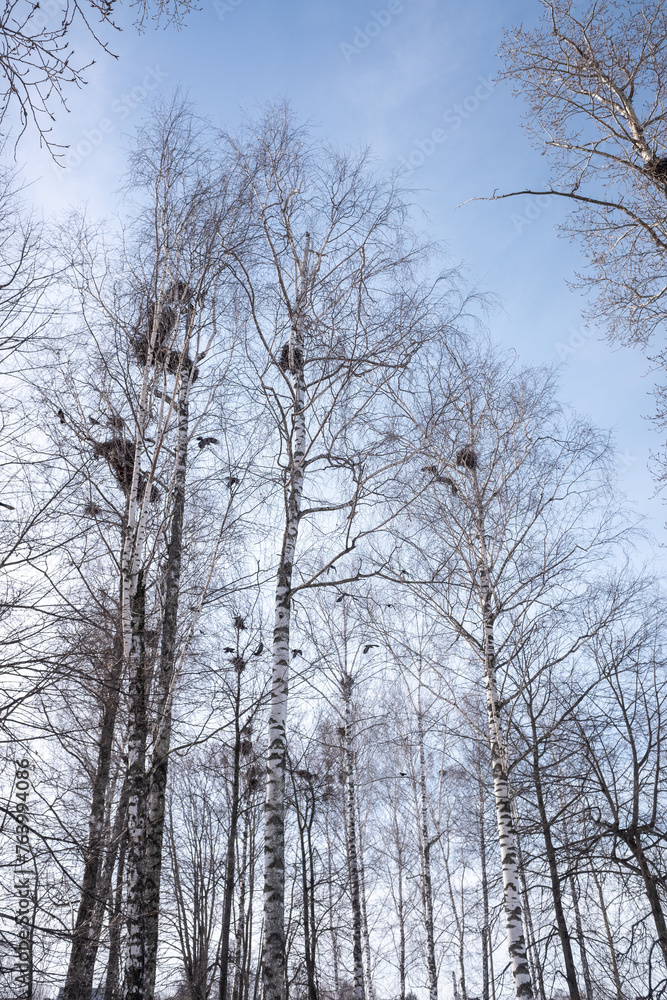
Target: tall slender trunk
x,y
362,893
136,812
332,929
632,840
133,609
400,910
486,937
273,948
534,964
230,862
585,967
351,842
609,936
240,937
425,854
115,919
157,784
305,825
559,912
516,940
85,941
249,918
105,883
459,926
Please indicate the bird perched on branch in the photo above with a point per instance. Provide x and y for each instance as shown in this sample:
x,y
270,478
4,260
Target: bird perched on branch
x,y
204,442
438,478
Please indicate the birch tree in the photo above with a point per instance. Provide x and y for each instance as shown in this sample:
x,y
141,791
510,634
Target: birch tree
x,y
506,486
593,77
331,315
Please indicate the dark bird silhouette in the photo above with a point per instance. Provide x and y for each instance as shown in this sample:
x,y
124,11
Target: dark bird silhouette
x,y
259,650
297,652
433,470
232,481
94,422
229,649
370,645
341,596
404,572
403,774
203,442
61,417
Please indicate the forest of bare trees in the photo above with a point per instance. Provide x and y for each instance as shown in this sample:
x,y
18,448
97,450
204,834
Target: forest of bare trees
x,y
329,666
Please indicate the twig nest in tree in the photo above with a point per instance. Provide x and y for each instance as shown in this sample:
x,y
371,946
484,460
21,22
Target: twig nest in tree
x,y
297,355
119,455
658,168
466,457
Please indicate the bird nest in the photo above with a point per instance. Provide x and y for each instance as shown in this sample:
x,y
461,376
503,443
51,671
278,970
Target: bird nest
x,y
466,457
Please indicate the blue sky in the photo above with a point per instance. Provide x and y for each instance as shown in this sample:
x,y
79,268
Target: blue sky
x,y
410,78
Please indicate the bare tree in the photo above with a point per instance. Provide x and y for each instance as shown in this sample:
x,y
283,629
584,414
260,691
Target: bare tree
x,y
506,482
329,318
593,78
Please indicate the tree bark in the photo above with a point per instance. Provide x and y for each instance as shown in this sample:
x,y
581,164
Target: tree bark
x,y
516,940
486,939
561,923
111,991
609,936
230,861
273,948
135,963
400,910
632,839
362,893
351,842
85,942
425,852
305,825
157,783
588,982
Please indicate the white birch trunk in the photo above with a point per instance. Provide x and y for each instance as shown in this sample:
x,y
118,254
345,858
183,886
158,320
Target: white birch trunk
x,y
132,617
167,663
425,856
516,941
273,948
351,842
